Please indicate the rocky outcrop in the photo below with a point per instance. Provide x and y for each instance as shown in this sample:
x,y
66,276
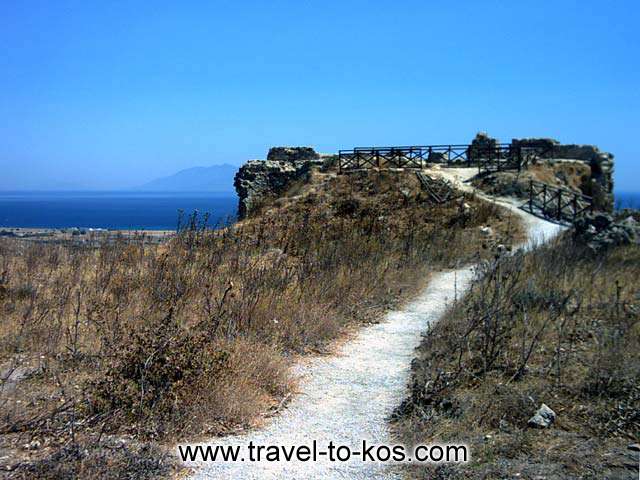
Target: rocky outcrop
x,y
600,231
257,180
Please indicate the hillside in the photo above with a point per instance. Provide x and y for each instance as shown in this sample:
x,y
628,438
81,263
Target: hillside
x,y
110,355
148,344
557,328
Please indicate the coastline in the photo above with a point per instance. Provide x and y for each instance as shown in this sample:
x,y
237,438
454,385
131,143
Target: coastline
x,y
81,235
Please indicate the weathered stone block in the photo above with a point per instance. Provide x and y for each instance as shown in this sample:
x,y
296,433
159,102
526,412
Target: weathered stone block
x,y
259,179
292,154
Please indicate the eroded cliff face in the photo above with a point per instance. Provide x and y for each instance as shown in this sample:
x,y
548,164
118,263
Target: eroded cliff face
x,y
260,179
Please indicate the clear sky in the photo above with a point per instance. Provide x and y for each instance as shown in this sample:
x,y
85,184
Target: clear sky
x,y
115,93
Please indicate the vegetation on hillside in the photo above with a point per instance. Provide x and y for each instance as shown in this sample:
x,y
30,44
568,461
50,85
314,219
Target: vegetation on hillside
x,y
106,352
559,325
572,175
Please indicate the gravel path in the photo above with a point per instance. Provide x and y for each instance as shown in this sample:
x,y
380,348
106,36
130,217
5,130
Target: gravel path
x,y
347,397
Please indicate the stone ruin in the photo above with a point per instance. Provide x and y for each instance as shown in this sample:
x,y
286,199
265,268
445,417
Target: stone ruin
x,y
292,154
600,185
481,145
258,179
601,231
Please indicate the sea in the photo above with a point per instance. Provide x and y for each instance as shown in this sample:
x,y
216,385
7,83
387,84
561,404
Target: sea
x,y
113,210
137,210
627,200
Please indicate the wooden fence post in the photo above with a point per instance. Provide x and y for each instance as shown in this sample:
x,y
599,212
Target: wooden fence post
x,y
519,150
531,195
559,215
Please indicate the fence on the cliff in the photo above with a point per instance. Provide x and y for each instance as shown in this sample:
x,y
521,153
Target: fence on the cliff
x,y
557,203
489,157
554,203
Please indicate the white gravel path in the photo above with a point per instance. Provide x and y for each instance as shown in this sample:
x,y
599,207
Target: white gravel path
x,y
348,397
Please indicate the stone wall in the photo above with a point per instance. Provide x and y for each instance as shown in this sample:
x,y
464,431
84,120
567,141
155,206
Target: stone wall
x,y
481,146
292,154
600,184
260,179
555,149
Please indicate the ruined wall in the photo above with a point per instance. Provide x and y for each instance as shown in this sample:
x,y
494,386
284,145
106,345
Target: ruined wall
x,y
481,145
260,179
292,154
600,183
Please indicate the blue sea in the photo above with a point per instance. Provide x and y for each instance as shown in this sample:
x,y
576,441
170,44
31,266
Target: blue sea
x,y
627,200
136,210
111,210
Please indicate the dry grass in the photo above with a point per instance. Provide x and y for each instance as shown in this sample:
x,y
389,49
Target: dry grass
x,y
572,175
195,336
558,326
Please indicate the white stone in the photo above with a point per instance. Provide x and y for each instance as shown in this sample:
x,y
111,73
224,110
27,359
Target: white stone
x,y
543,418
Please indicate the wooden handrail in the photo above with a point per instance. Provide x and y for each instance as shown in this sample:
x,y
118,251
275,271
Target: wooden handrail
x,y
542,196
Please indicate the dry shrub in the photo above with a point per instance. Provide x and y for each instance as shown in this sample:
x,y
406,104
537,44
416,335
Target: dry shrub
x,y
557,325
106,461
256,374
194,335
572,175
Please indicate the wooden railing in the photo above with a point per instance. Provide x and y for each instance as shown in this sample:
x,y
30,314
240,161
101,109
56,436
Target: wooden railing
x,y
557,203
496,157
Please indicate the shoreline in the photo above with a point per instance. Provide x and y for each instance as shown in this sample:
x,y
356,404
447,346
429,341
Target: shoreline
x,y
86,230
81,235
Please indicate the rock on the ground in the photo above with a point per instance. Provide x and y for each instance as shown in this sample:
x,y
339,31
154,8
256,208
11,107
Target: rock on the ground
x,y
543,418
600,231
631,223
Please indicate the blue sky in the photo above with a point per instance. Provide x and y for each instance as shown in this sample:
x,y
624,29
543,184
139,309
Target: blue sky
x,y
113,94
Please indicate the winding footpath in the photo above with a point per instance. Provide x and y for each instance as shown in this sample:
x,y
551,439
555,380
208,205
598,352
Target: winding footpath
x,y
348,397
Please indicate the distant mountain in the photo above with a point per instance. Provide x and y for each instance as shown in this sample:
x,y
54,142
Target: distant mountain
x,y
217,178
